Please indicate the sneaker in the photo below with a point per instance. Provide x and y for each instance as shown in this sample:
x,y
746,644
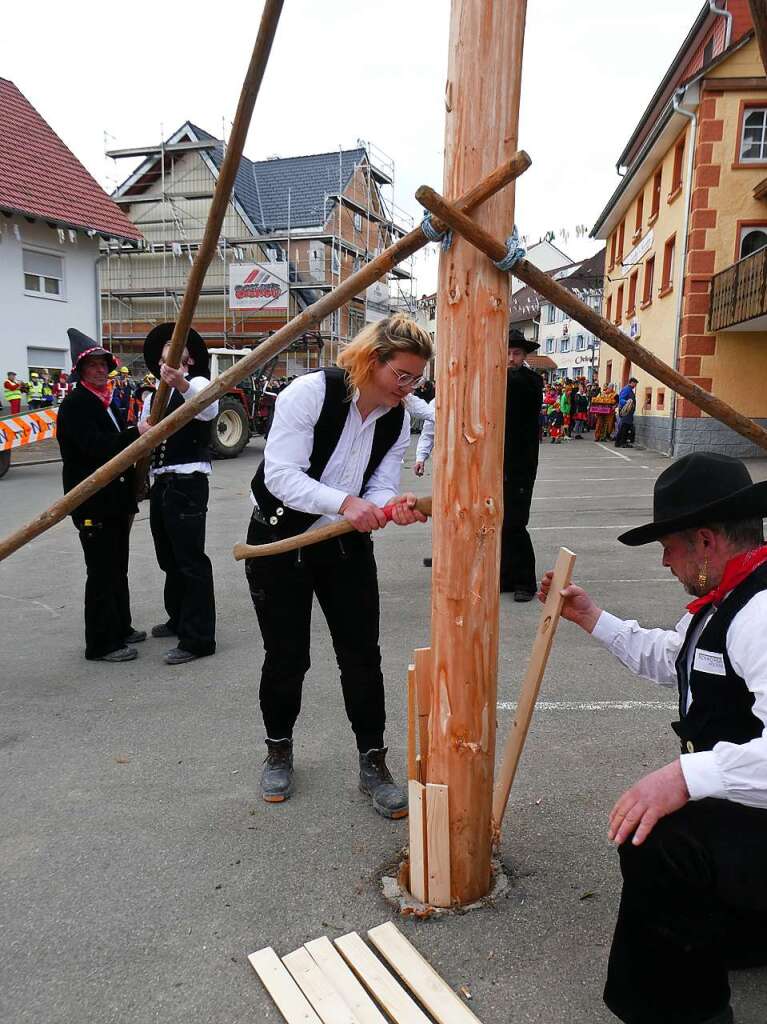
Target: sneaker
x,y
122,654
163,630
178,656
389,799
135,636
277,776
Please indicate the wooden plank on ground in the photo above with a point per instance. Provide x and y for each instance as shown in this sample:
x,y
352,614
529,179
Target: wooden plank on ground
x,y
412,719
417,825
288,997
334,967
531,684
423,683
419,976
318,989
379,982
438,845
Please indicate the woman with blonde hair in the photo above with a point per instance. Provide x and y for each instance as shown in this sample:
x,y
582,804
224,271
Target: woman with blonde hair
x,y
335,450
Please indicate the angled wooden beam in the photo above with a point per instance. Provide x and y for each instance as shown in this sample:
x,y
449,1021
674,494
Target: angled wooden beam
x,y
308,320
759,18
592,321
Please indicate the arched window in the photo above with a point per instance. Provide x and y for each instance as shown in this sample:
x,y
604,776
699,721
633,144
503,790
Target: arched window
x,y
752,239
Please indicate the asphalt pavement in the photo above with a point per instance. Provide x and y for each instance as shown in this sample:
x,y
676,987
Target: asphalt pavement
x,y
138,865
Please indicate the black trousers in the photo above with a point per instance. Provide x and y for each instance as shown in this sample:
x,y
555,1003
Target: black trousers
x,y
178,505
517,554
694,904
343,575
105,545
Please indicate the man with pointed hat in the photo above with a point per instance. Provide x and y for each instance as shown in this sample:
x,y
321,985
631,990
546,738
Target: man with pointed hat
x,y
178,500
693,834
524,395
90,431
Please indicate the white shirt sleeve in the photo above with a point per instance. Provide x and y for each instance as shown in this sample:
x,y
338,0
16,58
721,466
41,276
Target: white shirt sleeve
x,y
196,385
649,653
426,440
418,407
733,771
289,448
383,485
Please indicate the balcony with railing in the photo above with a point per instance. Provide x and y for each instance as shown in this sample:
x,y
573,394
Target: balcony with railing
x,y
739,295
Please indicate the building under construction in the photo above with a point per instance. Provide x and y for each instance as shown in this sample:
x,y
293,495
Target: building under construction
x,y
295,228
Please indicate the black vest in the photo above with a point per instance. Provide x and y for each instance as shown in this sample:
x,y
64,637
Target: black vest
x,y
722,704
286,522
189,444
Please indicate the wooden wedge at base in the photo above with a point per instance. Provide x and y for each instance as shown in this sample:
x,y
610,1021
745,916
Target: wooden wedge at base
x,y
379,982
335,968
419,976
438,845
412,718
416,795
423,683
326,1000
531,684
287,996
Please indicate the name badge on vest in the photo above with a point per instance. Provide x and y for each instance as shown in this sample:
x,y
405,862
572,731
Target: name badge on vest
x,y
709,661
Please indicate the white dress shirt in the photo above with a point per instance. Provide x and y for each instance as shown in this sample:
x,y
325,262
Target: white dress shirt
x,y
426,440
730,771
418,407
196,385
289,448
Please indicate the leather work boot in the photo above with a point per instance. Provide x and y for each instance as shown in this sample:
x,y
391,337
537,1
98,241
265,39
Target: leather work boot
x,y
277,776
389,799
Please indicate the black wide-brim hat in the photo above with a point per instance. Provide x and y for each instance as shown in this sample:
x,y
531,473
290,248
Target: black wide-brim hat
x,y
518,340
80,346
159,337
699,489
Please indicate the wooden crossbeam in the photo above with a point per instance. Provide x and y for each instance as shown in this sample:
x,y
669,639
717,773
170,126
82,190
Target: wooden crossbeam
x,y
307,320
592,321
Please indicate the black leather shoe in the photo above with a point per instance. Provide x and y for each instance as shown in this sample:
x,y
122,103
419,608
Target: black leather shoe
x,y
164,629
523,595
135,636
178,656
122,654
277,776
427,563
389,799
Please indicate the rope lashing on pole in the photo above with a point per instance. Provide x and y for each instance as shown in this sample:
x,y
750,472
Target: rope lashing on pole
x,y
435,235
515,251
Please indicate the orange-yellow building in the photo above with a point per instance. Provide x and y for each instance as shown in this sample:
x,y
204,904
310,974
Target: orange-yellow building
x,y
686,236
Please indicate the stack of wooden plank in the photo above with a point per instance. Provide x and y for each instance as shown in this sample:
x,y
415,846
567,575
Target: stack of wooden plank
x,y
347,983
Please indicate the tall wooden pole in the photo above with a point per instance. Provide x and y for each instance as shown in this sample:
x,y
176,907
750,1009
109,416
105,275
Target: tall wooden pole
x,y
482,103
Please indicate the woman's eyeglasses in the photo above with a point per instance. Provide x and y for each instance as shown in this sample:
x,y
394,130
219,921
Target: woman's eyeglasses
x,y
406,380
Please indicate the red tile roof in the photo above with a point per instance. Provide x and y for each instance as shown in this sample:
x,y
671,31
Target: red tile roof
x,y
41,177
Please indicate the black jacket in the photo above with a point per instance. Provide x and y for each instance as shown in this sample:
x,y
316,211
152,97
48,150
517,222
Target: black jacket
x,y
524,396
88,438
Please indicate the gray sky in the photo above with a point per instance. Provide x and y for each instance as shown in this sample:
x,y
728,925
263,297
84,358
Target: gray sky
x,y
347,69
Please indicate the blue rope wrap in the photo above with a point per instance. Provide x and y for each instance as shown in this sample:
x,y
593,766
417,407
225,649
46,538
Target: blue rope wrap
x,y
515,252
445,237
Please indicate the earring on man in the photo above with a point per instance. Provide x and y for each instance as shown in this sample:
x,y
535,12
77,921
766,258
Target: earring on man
x,y
703,577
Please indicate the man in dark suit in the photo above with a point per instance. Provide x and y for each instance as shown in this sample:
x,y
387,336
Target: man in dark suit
x,y
90,431
524,396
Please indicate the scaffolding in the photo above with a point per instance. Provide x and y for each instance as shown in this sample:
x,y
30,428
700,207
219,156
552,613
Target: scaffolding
x,y
168,196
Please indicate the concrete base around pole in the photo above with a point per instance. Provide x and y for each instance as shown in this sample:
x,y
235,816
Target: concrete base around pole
x,y
698,434
395,891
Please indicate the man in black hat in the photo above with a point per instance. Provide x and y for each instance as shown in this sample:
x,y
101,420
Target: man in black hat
x,y
693,834
524,395
90,431
178,500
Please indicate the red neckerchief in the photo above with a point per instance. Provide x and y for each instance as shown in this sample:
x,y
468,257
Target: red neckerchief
x,y
103,394
736,570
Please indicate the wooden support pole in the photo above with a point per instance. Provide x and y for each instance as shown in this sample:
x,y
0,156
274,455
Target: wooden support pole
x,y
308,320
482,102
592,321
531,684
759,18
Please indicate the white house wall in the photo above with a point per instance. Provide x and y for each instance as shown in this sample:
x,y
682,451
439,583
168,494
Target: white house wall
x,y
36,321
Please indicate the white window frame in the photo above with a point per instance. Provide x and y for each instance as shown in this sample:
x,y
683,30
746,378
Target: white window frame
x,y
549,344
41,293
747,230
580,343
564,345
358,221
763,141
